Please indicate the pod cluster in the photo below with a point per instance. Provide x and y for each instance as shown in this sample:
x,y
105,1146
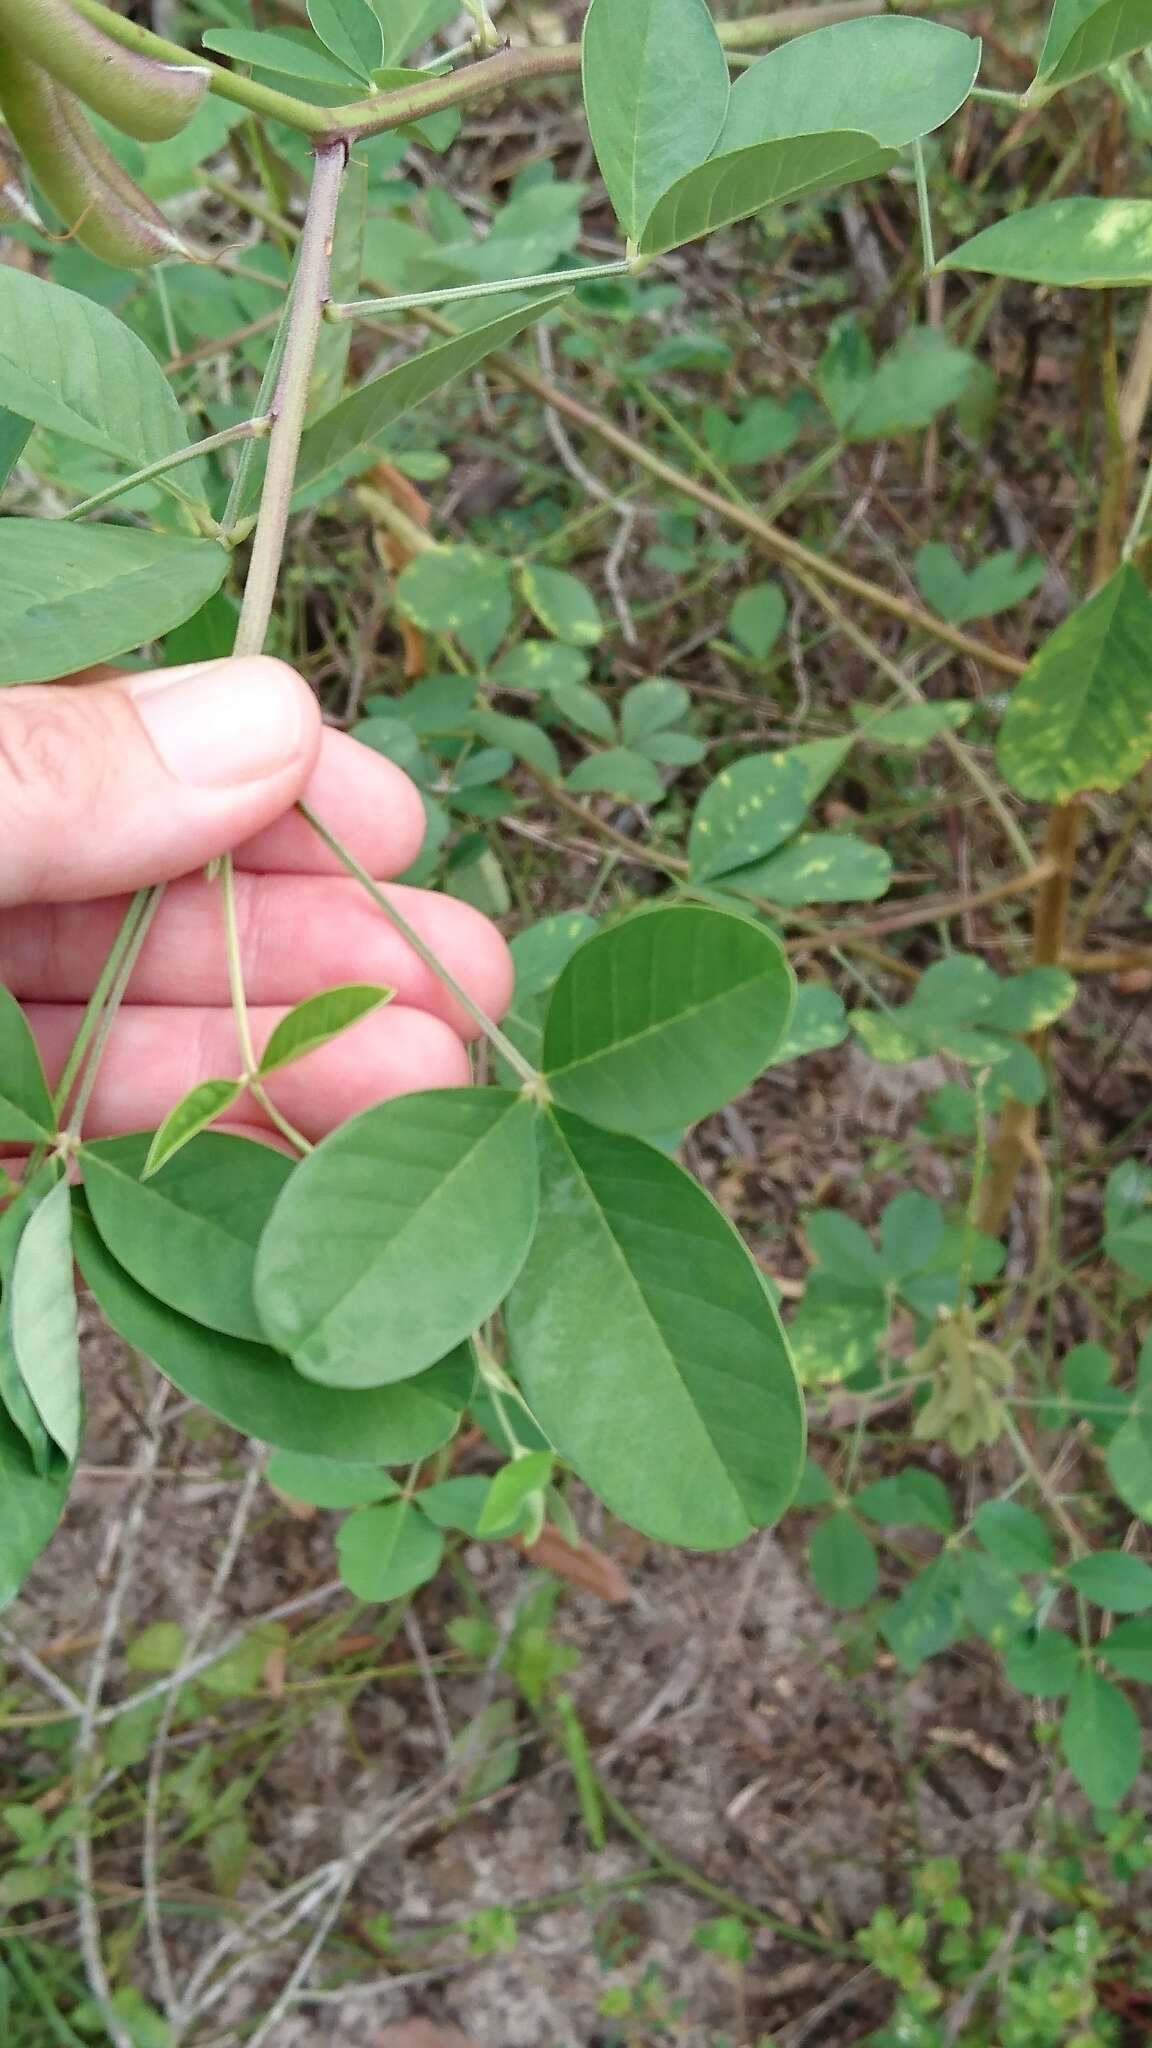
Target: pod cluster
x,y
54,65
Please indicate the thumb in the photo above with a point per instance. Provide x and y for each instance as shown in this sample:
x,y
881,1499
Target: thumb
x,y
108,786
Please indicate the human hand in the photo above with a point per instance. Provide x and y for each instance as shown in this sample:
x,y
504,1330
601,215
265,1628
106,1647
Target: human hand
x,y
108,785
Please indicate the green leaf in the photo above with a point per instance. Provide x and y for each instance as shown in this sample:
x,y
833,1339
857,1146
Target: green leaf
x,y
1128,1649
541,665
1044,1662
909,386
26,1113
656,93
728,188
1101,1740
409,23
1093,244
527,742
458,590
893,79
389,1551
817,1023
256,1390
352,31
815,1489
287,55
662,1019
68,364
1029,1001
995,1603
563,604
328,1482
650,707
1081,715
319,1019
188,1119
928,1616
159,1647
748,811
1014,1535
757,618
72,595
1128,1219
911,1230
912,1499
456,1503
818,867
836,1329
843,1562
43,1320
511,1489
540,953
588,713
14,1395
617,772
1086,1379
1085,35
189,1232
913,725
363,416
1130,1464
399,1234
962,595
648,1348
33,1504
844,1246
14,437
1113,1579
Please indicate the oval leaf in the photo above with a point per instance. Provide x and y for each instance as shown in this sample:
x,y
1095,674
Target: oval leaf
x,y
1083,38
43,1319
562,603
894,79
1113,1579
1081,715
328,1482
86,593
256,1391
1100,1737
26,1113
656,93
398,1236
199,1108
746,813
818,867
33,1503
648,1348
189,1233
389,1551
664,1018
843,1561
321,1018
729,188
351,30
1090,243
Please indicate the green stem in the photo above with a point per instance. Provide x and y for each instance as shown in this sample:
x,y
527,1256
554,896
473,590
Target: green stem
x,y
924,207
118,989
228,85
97,1000
407,302
247,430
528,1074
995,98
239,995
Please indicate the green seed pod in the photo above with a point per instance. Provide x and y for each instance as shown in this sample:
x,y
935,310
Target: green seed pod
x,y
14,201
101,207
139,96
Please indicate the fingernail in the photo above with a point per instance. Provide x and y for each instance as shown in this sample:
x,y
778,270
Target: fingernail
x,y
220,723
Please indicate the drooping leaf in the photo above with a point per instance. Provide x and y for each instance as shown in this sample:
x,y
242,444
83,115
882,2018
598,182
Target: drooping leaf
x,y
187,1119
648,1348
68,364
1101,1740
351,30
388,1551
1081,715
659,1020
363,416
748,812
818,867
26,1113
843,1562
961,595
895,79
399,1234
189,1233
562,602
33,1503
1085,35
1090,243
729,188
319,1019
328,1482
74,595
15,1399
655,91
458,590
256,1391
43,1320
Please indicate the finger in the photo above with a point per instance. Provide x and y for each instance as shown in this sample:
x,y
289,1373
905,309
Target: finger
x,y
298,934
112,785
372,804
155,1056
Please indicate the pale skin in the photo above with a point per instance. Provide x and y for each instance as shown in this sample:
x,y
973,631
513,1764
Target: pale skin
x,y
120,782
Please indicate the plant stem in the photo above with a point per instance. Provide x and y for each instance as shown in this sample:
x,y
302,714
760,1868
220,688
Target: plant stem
x,y
247,430
924,207
995,98
97,1000
239,996
129,953
492,1032
408,302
